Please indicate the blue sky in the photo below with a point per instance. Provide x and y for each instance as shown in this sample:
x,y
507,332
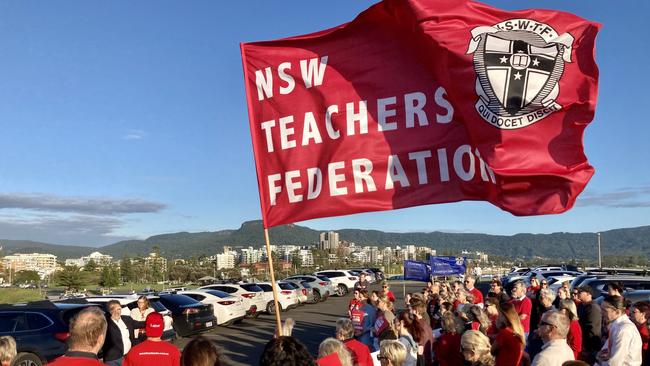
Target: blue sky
x,y
127,119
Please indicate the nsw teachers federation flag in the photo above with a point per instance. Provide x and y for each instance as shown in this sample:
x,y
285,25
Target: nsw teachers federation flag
x,y
423,101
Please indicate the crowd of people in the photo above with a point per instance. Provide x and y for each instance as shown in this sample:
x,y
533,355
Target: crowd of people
x,y
448,323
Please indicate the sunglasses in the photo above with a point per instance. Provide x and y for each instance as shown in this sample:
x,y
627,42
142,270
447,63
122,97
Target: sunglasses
x,y
381,357
546,323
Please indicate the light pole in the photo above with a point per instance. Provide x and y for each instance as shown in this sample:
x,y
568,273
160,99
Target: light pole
x,y
600,259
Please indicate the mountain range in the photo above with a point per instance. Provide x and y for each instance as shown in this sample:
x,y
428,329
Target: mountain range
x,y
619,242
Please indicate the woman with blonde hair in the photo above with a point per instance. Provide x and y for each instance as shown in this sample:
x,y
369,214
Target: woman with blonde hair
x,y
140,314
7,350
509,344
574,338
391,353
475,347
447,346
333,346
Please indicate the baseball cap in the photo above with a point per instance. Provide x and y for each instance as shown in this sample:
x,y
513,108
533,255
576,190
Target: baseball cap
x,y
155,325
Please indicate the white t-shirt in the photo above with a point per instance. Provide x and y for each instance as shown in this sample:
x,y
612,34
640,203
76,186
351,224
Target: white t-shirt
x,y
126,341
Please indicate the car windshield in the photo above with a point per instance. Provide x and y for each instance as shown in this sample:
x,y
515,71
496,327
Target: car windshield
x,y
251,287
175,302
217,293
323,278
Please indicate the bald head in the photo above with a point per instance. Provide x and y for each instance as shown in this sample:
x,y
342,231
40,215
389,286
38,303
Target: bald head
x,y
88,330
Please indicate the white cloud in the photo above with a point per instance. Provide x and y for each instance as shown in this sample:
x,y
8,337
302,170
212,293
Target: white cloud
x,y
134,135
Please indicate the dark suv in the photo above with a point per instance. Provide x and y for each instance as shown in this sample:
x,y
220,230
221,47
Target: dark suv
x,y
190,316
40,329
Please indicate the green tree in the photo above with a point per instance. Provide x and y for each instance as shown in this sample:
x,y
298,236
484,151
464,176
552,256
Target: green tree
x,y
91,266
26,277
126,269
71,277
110,276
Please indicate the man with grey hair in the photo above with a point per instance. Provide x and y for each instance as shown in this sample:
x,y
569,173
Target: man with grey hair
x,y
545,303
523,305
553,330
359,351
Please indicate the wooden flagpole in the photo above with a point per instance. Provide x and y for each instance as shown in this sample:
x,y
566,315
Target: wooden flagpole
x,y
273,284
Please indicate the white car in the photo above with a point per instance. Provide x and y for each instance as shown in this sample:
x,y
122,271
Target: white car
x,y
287,296
227,308
129,302
252,295
343,280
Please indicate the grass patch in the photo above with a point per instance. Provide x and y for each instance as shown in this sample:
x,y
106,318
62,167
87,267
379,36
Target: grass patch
x,y
14,295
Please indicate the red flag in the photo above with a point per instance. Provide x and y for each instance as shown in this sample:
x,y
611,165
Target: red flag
x,y
419,102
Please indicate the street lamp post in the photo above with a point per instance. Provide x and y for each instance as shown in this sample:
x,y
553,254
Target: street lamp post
x,y
600,259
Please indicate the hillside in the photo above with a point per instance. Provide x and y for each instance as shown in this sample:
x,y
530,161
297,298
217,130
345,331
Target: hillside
x,y
629,241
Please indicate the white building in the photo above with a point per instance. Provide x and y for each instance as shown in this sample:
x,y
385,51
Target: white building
x,y
97,257
225,261
155,259
44,264
328,241
250,255
306,257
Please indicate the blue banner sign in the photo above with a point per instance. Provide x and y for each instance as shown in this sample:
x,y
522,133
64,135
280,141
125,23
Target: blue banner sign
x,y
448,266
416,271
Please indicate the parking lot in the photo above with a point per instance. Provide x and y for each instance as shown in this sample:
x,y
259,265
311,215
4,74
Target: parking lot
x,y
243,343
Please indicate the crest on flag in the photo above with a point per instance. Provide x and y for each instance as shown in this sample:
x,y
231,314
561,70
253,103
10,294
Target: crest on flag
x,y
518,64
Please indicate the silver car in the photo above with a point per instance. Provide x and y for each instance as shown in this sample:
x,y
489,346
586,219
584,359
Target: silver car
x,y
305,292
321,285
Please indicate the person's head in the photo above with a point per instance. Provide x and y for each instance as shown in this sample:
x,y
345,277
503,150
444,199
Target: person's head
x,y
641,312
496,286
344,329
546,297
584,293
435,288
575,363
612,308
115,309
476,347
143,303
355,294
385,286
554,325
200,351
469,282
406,323
332,345
615,288
418,307
575,295
569,308
283,351
362,276
543,283
154,326
461,295
456,285
88,330
518,289
7,350
374,297
449,323
363,295
383,302
492,306
508,318
391,353
562,293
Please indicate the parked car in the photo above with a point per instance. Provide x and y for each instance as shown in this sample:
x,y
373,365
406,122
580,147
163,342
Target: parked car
x,y
370,275
40,329
227,308
190,316
321,285
342,279
379,274
130,302
305,292
287,296
253,300
599,284
637,295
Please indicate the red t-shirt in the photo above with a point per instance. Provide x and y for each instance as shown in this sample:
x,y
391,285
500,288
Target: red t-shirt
x,y
360,352
509,348
330,360
447,350
645,335
150,353
390,296
478,296
66,360
574,338
524,306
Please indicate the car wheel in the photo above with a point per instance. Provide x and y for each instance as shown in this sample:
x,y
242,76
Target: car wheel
x,y
317,297
270,308
342,289
27,359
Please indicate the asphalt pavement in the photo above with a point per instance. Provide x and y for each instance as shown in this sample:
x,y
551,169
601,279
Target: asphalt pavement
x,y
243,343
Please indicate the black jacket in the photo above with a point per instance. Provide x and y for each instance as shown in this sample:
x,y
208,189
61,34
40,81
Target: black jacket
x,y
590,321
113,346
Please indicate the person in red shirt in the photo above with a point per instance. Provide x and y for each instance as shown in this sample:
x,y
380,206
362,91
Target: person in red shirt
x,y
359,351
523,305
476,293
508,346
153,351
87,335
333,352
574,337
447,346
355,303
640,317
386,291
